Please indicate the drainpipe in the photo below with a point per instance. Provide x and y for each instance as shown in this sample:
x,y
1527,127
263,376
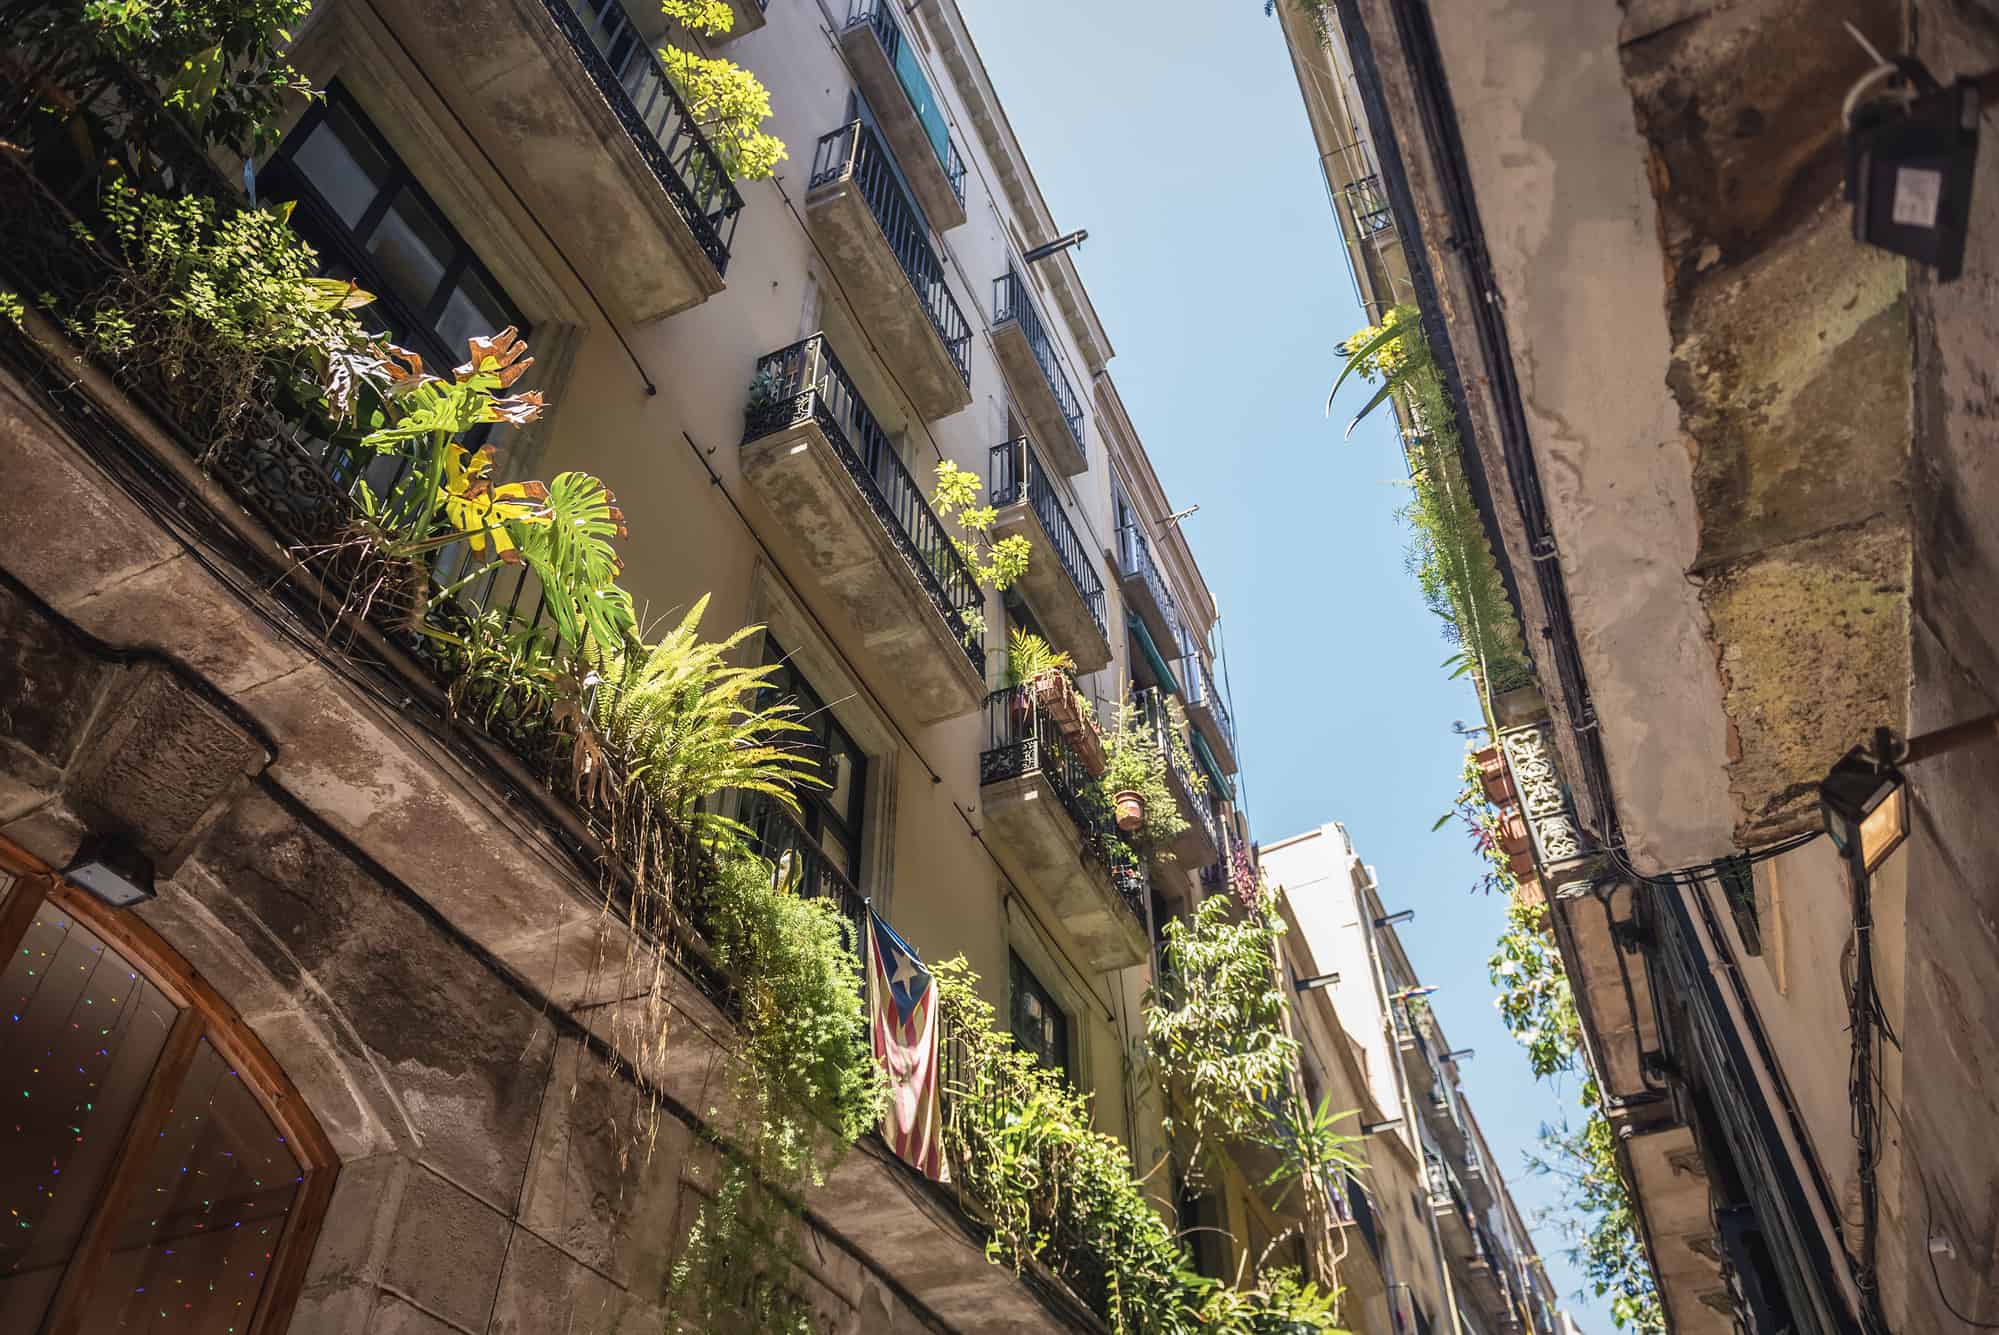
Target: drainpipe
x,y
1408,1105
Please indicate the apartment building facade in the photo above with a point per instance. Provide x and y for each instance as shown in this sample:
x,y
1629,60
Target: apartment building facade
x,y
1719,447
377,914
1432,1238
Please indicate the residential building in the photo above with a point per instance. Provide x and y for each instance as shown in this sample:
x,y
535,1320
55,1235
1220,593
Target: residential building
x,y
1432,1238
371,911
1724,456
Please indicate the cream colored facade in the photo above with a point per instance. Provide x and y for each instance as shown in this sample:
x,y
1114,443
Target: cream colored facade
x,y
477,1189
1432,1238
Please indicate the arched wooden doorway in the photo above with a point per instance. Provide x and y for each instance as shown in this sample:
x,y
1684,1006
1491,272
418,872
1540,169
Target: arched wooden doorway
x,y
158,1172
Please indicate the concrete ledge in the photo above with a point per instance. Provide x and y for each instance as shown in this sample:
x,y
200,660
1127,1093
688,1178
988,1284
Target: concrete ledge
x,y
884,300
1043,851
802,477
897,121
1050,591
1035,398
505,64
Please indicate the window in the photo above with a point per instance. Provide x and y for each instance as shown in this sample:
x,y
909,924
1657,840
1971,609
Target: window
x,y
156,1169
1040,1025
832,815
370,221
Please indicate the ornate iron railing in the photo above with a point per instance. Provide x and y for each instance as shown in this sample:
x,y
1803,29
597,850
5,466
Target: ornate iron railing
x,y
1153,706
1134,557
880,17
1016,471
806,382
1022,738
1013,303
778,835
853,153
1201,684
628,74
1370,208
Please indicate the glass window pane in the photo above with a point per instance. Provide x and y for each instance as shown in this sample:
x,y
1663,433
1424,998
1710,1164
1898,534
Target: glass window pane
x,y
194,1248
412,247
343,166
472,310
80,1033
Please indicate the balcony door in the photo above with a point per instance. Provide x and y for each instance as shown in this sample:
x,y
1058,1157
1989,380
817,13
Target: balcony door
x,y
157,1172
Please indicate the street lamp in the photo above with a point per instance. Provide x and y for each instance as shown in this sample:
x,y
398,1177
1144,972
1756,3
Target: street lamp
x,y
1376,1128
1394,918
1865,804
1316,980
113,869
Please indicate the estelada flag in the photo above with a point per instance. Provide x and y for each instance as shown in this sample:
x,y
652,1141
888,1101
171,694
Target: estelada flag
x,y
902,1010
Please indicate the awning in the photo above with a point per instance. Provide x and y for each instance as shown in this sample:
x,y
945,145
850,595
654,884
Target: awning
x,y
1152,654
1208,763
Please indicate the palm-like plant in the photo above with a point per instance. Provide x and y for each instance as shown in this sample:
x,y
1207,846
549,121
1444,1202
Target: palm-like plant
x,y
1393,350
691,725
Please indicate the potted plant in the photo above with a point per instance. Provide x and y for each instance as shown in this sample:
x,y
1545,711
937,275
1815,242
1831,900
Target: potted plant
x,y
1513,835
1491,772
1134,780
1042,677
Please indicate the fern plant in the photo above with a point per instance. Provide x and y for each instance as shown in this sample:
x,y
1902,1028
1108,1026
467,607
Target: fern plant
x,y
691,725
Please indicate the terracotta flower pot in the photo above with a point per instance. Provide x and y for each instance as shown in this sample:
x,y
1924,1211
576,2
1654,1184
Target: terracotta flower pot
x,y
1521,864
1130,810
1513,832
1056,695
1494,777
1089,744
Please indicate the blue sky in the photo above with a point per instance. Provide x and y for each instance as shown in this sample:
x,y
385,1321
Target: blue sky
x,y
1174,132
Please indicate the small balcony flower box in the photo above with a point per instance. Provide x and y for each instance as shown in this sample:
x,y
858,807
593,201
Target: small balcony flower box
x,y
1513,837
1056,696
1493,776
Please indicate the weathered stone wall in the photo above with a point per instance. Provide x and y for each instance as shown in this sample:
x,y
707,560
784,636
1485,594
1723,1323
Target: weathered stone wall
x,y
495,1175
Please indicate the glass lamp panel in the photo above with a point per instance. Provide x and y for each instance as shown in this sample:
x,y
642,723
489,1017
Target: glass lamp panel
x,y
1882,829
193,1251
80,1034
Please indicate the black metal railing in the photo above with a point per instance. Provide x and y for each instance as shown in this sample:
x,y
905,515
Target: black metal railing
x,y
1134,558
1013,303
1152,705
777,835
1201,690
806,382
1017,470
1022,738
880,16
853,153
628,74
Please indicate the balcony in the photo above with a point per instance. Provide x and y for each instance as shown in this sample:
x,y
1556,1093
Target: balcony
x,y
1033,368
1486,1277
1447,1202
1201,843
1207,711
879,249
776,835
1419,1067
749,17
1361,1275
1145,591
907,109
1060,847
830,474
1065,593
597,141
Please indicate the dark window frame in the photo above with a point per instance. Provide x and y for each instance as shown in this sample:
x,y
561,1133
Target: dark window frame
x,y
816,810
1022,979
320,223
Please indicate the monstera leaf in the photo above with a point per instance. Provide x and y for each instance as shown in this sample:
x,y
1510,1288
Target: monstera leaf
x,y
569,550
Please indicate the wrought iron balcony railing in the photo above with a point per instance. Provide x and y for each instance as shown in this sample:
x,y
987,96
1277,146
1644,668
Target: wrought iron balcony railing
x,y
1016,471
1153,706
880,15
1022,738
1368,204
1201,683
1134,555
853,152
628,74
1011,302
806,381
778,835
